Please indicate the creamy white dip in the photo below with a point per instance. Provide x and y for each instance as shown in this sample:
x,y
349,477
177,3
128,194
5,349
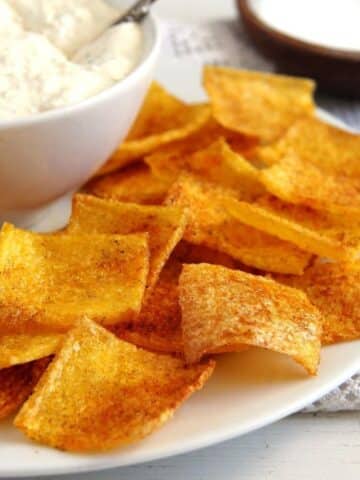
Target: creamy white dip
x,y
53,53
329,23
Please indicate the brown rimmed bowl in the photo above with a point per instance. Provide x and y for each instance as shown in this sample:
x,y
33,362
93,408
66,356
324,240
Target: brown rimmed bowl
x,y
336,71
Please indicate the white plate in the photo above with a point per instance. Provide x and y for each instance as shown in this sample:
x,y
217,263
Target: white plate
x,y
247,391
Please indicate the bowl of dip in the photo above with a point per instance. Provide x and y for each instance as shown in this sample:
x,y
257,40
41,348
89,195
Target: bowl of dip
x,y
70,88
318,39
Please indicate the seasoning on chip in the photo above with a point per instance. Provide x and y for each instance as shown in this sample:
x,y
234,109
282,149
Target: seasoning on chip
x,y
158,327
310,230
24,348
134,184
302,183
210,224
332,149
100,392
17,383
233,308
165,225
335,290
48,281
260,105
217,163
162,119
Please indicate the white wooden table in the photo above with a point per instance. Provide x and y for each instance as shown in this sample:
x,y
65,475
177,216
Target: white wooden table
x,y
319,447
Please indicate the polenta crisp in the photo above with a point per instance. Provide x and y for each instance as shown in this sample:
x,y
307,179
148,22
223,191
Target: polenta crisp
x,y
335,290
162,119
158,327
134,184
234,308
331,149
217,163
101,392
24,348
303,183
210,224
260,105
48,282
310,230
165,225
17,383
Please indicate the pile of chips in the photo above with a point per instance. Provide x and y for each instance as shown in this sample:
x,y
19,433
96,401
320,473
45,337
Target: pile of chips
x,y
214,228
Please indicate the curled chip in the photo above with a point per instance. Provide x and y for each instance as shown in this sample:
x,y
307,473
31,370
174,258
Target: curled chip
x,y
210,224
165,225
311,231
329,148
302,183
17,383
134,184
225,309
162,119
335,290
158,327
101,392
49,281
259,105
217,163
24,348
201,139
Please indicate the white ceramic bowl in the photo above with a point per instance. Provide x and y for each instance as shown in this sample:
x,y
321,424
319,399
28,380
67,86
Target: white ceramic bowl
x,y
45,156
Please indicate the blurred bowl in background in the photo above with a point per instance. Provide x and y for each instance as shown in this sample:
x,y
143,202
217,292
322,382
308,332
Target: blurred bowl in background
x,y
337,71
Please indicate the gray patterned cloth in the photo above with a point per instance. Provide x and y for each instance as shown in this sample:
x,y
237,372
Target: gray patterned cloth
x,y
186,48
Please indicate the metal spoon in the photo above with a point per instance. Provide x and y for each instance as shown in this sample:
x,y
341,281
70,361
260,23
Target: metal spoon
x,y
136,13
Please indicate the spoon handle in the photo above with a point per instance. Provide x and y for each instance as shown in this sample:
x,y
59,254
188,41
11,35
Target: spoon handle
x,y
137,12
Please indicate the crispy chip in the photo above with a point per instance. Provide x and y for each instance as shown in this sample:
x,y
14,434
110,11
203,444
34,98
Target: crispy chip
x,y
260,105
302,183
233,308
162,119
134,184
49,281
329,148
210,224
24,348
165,225
101,392
217,163
335,290
158,327
309,230
17,383
201,139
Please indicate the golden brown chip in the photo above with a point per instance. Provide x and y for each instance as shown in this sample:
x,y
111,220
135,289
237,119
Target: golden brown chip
x,y
309,230
260,105
217,163
101,392
329,148
201,139
49,281
24,348
210,224
158,327
302,183
165,225
335,290
17,383
224,308
134,184
162,119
